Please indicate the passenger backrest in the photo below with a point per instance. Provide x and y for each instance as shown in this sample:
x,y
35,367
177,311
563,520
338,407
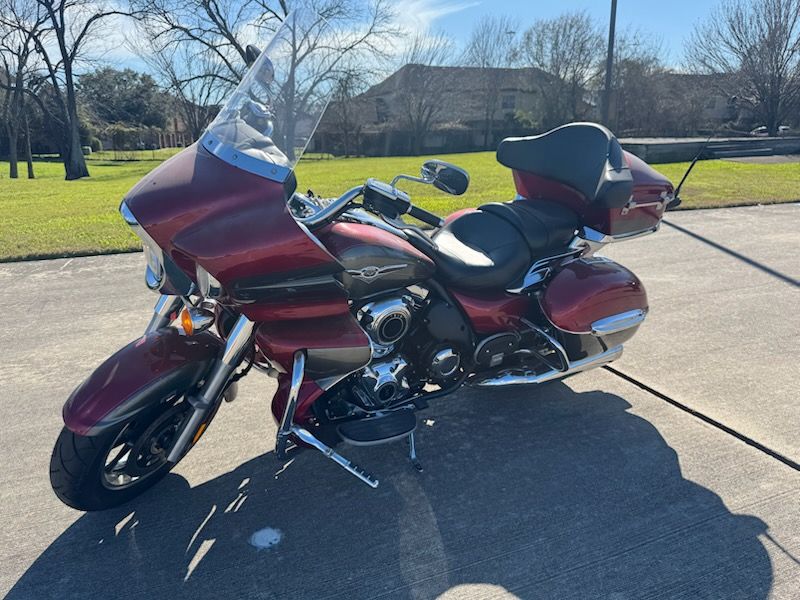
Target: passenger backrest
x,y
585,156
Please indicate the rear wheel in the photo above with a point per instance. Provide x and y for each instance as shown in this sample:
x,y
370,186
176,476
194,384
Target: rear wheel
x,y
104,471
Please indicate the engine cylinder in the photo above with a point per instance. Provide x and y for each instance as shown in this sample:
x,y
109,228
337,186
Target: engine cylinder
x,y
386,321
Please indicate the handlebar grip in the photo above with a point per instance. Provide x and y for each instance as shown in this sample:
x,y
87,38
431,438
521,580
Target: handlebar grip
x,y
425,216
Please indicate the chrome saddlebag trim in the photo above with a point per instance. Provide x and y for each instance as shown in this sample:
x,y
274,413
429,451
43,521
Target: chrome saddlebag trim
x,y
618,322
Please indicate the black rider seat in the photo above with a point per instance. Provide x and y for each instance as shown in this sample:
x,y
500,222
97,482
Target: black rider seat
x,y
493,246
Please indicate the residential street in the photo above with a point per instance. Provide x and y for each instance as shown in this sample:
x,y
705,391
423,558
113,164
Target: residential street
x,y
674,474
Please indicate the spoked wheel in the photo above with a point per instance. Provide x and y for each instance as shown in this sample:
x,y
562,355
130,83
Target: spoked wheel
x,y
136,455
104,471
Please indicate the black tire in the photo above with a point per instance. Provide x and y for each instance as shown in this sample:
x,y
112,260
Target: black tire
x,y
78,464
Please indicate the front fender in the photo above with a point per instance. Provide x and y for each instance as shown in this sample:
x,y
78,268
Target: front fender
x,y
145,371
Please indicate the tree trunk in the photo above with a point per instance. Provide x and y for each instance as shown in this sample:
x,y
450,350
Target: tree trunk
x,y
13,169
74,161
28,154
416,144
346,139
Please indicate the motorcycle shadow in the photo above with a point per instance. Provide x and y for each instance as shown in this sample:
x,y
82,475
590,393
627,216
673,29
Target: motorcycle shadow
x,y
546,493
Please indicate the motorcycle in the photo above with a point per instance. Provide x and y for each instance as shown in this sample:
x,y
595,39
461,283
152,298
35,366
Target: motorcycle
x,y
362,317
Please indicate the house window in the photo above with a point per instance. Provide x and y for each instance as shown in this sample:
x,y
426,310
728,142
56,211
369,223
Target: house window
x,y
381,110
508,102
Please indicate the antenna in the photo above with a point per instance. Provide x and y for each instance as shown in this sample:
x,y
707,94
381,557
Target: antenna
x,y
677,195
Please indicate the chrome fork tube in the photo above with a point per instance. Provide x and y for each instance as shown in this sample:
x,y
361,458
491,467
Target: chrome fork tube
x,y
285,427
215,383
165,306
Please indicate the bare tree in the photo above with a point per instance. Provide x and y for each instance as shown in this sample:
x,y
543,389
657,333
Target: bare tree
x,y
490,48
421,88
20,22
71,25
570,49
756,43
636,106
340,31
219,28
60,31
345,111
192,77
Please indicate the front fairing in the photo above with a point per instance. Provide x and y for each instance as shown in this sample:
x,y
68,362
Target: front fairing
x,y
221,203
236,225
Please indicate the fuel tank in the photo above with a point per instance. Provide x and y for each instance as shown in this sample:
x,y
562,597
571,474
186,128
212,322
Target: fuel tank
x,y
374,260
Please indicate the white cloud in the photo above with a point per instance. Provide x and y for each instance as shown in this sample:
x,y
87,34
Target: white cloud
x,y
419,16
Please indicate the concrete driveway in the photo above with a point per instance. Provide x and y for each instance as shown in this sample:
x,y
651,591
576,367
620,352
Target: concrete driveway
x,y
673,476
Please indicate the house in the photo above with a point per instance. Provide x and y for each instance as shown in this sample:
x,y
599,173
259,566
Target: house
x,y
434,109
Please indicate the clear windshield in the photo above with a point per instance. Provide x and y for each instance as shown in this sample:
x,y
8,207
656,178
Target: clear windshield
x,y
266,123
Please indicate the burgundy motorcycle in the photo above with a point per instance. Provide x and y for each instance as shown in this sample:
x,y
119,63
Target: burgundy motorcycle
x,y
362,317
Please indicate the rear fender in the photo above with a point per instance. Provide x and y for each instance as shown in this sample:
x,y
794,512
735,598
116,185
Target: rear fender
x,y
156,366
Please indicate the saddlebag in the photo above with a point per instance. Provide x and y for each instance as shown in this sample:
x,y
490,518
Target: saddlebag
x,y
596,303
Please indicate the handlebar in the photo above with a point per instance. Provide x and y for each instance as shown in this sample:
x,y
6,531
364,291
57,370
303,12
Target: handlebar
x,y
425,216
333,209
379,198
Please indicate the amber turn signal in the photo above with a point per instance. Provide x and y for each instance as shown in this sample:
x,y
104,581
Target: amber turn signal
x,y
195,320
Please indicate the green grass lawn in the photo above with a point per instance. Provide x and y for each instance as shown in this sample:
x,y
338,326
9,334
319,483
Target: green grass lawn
x,y
52,217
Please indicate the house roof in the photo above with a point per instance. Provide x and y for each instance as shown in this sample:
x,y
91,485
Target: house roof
x,y
458,78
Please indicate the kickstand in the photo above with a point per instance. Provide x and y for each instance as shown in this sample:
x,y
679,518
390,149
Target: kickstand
x,y
412,452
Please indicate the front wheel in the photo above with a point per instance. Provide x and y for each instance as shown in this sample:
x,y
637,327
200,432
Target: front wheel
x,y
100,472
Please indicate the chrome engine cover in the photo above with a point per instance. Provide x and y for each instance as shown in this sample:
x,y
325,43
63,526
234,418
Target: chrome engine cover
x,y
384,382
444,364
387,320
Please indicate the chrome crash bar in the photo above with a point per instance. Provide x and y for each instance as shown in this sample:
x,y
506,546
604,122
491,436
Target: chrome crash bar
x,y
288,428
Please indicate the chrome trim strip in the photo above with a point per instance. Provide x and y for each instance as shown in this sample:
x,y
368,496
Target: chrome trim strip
x,y
540,270
243,161
619,322
520,377
285,427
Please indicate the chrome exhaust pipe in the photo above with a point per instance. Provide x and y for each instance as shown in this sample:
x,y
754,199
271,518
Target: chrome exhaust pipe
x,y
525,377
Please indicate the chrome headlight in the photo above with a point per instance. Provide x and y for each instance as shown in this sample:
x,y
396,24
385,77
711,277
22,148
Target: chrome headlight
x,y
154,275
154,272
161,274
209,286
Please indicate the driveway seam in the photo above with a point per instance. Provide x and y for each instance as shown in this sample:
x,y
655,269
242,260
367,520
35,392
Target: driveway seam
x,y
707,419
738,256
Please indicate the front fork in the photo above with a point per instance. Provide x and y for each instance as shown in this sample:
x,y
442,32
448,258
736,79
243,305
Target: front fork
x,y
164,312
216,380
204,401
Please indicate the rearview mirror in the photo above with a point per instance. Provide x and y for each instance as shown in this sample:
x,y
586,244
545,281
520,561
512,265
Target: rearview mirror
x,y
251,53
446,177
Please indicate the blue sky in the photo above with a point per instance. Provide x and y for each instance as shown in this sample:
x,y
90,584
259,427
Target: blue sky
x,y
668,20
